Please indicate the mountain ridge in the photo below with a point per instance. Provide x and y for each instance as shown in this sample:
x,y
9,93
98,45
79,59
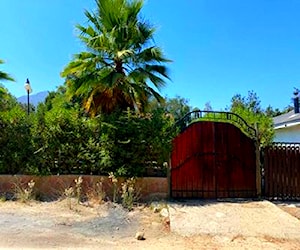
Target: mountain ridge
x,y
34,99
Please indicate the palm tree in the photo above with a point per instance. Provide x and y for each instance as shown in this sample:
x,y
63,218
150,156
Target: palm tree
x,y
5,76
121,67
3,91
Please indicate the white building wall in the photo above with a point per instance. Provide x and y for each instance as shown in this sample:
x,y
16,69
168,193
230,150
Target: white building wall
x,y
288,134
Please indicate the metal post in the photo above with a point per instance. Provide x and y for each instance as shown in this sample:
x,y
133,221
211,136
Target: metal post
x,y
28,90
28,110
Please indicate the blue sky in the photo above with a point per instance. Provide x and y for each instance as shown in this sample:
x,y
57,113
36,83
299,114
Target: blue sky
x,y
219,48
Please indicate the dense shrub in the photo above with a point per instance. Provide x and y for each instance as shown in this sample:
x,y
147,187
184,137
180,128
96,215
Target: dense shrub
x,y
15,141
142,143
60,139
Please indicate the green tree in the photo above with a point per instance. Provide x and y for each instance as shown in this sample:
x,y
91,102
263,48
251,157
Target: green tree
x,y
7,101
5,97
207,107
141,142
273,112
15,141
250,102
249,108
276,112
120,62
176,107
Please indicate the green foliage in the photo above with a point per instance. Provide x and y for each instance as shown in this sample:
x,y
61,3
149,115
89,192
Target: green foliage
x,y
276,112
140,142
121,69
250,110
208,107
7,101
4,76
58,138
120,62
15,141
67,142
177,107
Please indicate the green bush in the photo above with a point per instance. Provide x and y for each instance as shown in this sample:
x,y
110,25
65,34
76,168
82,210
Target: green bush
x,y
61,139
15,141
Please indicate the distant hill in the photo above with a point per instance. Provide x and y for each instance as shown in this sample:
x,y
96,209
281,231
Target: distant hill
x,y
34,99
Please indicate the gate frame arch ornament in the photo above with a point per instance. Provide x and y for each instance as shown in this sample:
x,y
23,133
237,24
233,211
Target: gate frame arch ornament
x,y
215,155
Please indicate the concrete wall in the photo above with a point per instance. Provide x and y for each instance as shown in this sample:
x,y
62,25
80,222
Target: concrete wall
x,y
51,187
288,134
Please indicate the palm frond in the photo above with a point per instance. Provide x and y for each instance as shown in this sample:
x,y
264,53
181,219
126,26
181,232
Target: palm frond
x,y
119,62
160,69
151,54
4,76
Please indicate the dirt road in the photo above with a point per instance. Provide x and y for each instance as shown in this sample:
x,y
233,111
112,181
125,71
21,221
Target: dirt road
x,y
222,225
229,219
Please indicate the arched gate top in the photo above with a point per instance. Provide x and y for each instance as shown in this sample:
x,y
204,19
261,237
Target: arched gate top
x,y
220,116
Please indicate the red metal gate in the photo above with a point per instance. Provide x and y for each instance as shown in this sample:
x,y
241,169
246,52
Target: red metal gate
x,y
213,159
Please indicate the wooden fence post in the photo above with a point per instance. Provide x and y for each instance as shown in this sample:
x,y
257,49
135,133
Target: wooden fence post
x,y
258,165
169,178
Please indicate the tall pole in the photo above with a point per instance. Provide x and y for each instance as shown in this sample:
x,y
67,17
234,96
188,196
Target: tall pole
x,y
28,110
28,90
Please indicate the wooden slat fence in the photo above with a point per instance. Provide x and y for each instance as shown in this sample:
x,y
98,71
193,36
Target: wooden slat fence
x,y
281,168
